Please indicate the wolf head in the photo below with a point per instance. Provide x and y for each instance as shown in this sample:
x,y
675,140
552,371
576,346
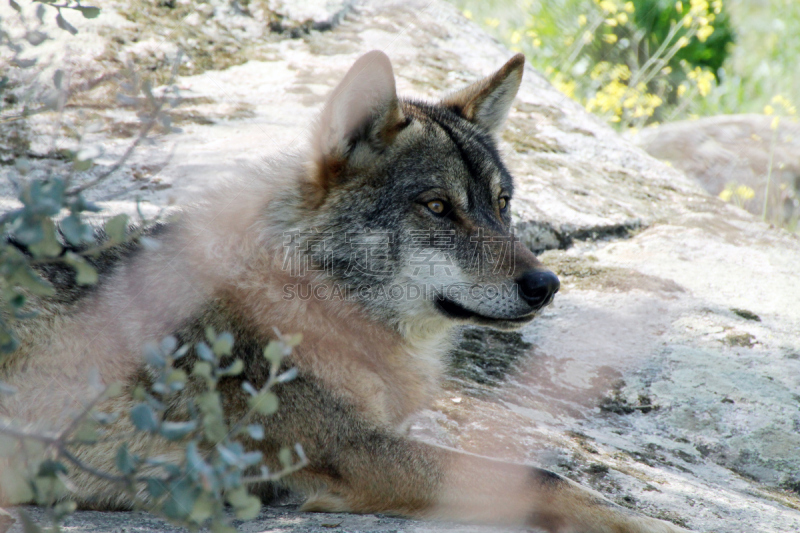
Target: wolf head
x,y
406,205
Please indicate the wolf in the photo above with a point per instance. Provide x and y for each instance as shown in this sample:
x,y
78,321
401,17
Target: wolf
x,y
374,242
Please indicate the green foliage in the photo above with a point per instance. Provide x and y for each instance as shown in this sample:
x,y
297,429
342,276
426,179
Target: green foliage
x,y
655,18
214,468
631,62
56,190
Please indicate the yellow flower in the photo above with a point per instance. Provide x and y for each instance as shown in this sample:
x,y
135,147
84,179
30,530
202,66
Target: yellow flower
x,y
622,17
776,121
611,22
516,36
679,6
492,23
629,7
785,103
681,89
726,195
768,109
610,38
537,43
582,20
468,14
704,33
608,6
744,192
682,42
588,37
704,81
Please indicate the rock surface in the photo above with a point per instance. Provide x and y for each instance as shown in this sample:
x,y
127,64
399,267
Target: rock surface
x,y
730,150
666,374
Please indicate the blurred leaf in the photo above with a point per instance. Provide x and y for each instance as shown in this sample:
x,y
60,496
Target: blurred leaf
x,y
203,508
223,344
213,423
177,430
117,228
75,231
153,355
274,352
234,369
249,509
51,468
48,246
156,487
205,353
85,274
202,369
285,457
294,340
125,461
87,432
177,375
14,485
58,77
256,431
64,25
181,499
63,509
82,165
144,418
114,390
289,375
26,277
48,489
169,344
15,6
265,403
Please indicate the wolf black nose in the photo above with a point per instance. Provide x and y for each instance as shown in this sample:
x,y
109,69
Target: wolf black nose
x,y
537,287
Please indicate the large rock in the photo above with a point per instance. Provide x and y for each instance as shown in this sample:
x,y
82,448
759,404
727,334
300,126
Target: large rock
x,y
667,373
732,150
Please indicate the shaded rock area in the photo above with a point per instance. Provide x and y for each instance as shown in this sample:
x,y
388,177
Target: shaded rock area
x,y
666,374
485,356
730,150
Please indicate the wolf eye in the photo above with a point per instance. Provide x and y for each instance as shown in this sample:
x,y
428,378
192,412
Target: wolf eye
x,y
503,203
436,206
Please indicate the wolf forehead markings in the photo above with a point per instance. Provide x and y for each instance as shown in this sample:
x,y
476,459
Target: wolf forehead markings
x,y
375,164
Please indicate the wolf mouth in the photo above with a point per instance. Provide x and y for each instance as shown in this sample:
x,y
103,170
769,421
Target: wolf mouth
x,y
457,311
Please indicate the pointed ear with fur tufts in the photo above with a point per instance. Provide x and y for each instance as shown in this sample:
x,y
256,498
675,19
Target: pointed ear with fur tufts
x,y
486,102
362,116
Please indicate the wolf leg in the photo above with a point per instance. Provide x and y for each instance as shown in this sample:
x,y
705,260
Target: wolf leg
x,y
356,466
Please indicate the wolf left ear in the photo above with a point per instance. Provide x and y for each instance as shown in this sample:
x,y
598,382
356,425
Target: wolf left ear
x,y
361,115
487,102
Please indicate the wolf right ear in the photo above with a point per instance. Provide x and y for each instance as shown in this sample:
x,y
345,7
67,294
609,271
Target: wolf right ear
x,y
487,102
363,107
